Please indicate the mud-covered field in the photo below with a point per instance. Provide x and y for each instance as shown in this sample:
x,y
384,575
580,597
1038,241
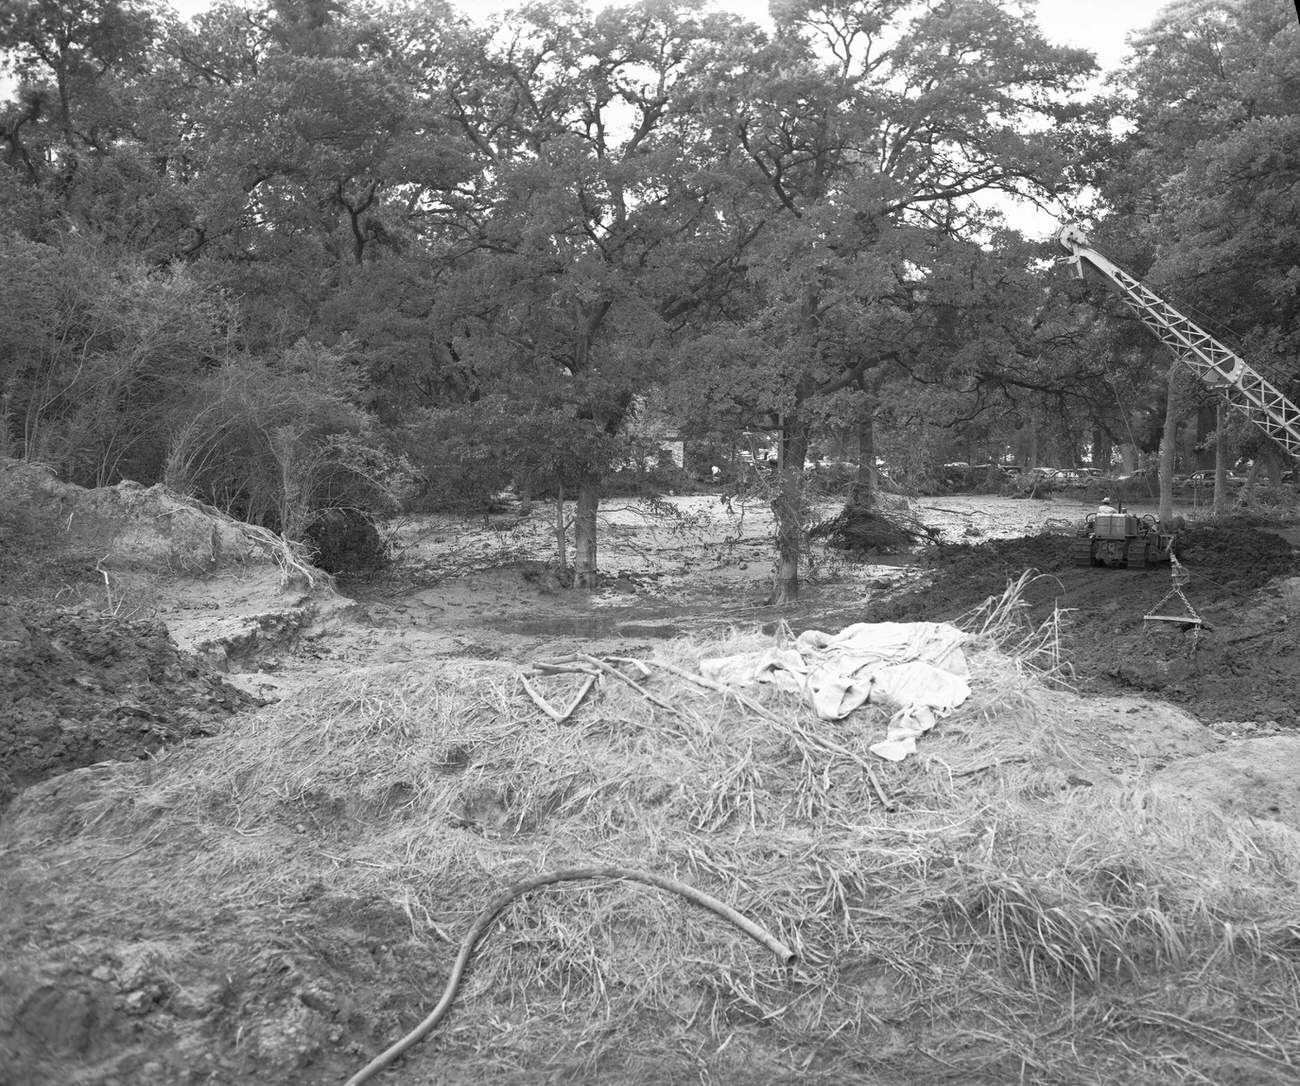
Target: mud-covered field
x,y
84,685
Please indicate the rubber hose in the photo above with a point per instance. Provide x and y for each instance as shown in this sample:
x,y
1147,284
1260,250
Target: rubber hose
x,y
493,909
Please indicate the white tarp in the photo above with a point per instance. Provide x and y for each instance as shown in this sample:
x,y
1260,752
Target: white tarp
x,y
917,668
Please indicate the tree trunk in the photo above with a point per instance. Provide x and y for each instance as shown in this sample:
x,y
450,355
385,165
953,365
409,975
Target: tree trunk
x,y
1168,442
788,507
294,489
865,486
1207,421
561,532
1273,466
1101,449
6,448
584,532
1248,498
1220,465
1068,448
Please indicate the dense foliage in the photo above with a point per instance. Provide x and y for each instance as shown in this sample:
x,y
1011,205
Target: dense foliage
x,y
1200,194
296,255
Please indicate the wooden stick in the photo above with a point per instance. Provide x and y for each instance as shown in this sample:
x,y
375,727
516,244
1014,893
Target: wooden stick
x,y
610,669
559,715
633,661
541,703
588,683
889,805
986,766
722,688
551,667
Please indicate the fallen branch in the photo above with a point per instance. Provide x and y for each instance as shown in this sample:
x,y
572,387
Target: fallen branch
x,y
538,700
889,805
721,688
494,907
582,663
632,661
610,669
564,666
559,715
985,767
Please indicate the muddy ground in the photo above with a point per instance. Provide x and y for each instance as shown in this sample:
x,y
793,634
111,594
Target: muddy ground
x,y
102,994
86,684
711,568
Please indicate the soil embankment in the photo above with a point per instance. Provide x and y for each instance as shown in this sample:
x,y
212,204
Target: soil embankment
x,y
1241,579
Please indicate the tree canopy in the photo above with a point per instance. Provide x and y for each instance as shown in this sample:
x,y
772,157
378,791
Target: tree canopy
x,y
493,249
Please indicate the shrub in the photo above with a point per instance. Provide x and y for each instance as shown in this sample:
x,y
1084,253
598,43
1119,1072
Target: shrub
x,y
281,443
96,350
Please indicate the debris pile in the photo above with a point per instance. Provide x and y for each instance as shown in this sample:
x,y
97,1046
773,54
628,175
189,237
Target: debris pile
x,y
871,531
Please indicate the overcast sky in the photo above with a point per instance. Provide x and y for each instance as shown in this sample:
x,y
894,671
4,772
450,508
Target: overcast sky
x,y
1099,25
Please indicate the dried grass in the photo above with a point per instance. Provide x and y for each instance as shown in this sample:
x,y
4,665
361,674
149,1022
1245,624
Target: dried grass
x,y
996,928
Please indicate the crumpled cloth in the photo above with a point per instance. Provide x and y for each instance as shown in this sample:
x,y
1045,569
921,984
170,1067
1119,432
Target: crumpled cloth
x,y
918,668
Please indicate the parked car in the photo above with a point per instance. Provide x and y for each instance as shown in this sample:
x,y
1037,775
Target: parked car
x,y
1069,477
1206,478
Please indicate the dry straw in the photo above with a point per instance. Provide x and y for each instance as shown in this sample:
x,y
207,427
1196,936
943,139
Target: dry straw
x,y
1002,925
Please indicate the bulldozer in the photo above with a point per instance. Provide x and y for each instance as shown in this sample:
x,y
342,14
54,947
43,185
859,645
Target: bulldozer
x,y
1121,540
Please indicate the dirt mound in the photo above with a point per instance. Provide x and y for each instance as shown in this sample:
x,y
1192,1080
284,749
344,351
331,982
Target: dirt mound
x,y
1259,778
1242,555
111,580
1243,668
47,523
282,902
225,589
81,687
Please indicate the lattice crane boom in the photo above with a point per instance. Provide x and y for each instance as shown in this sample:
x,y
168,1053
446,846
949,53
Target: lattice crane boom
x,y
1221,369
